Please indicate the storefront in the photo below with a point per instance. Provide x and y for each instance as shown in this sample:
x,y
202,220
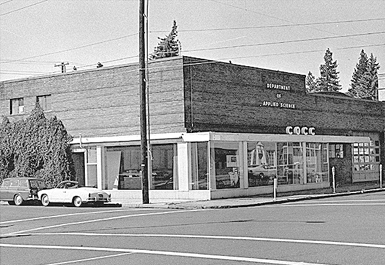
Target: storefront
x,y
211,165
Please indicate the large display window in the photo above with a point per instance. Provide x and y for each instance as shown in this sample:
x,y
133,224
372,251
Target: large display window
x,y
366,159
227,164
123,167
261,163
290,163
316,163
199,167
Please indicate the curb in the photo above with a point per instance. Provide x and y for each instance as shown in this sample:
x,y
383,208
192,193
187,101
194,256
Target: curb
x,y
270,202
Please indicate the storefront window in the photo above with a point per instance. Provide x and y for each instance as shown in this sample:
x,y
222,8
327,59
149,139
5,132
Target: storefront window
x,y
316,163
123,167
199,157
336,150
163,167
91,179
227,165
290,163
366,156
261,163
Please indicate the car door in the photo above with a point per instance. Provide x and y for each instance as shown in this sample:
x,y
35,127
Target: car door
x,y
13,188
56,194
4,190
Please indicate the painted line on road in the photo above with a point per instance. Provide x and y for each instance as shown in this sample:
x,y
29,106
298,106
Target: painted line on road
x,y
99,220
311,204
89,259
281,240
166,253
58,216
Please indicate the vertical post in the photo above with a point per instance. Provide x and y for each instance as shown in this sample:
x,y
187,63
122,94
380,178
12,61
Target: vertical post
x,y
380,176
142,93
334,179
275,188
62,65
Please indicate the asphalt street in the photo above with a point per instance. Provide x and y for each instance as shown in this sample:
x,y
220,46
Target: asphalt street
x,y
337,230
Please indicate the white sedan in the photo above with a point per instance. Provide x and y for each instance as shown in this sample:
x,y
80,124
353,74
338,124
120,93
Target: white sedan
x,y
70,192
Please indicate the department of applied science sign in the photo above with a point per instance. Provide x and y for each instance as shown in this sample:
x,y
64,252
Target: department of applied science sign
x,y
276,104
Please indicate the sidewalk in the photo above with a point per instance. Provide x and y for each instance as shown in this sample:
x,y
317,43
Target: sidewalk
x,y
255,200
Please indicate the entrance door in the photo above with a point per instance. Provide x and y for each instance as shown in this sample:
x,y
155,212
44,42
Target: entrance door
x,y
340,157
78,159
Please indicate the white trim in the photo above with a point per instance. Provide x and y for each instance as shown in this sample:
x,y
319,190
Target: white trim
x,y
214,136
218,136
124,138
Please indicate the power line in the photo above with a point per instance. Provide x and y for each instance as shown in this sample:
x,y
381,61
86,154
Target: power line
x,y
5,2
203,49
204,61
270,16
22,7
71,49
275,26
287,41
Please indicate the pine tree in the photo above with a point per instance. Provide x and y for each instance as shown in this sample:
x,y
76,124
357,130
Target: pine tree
x,y
358,73
365,78
311,83
168,46
371,77
329,79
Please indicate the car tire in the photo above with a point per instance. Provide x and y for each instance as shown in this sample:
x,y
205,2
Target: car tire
x,y
77,201
45,200
18,200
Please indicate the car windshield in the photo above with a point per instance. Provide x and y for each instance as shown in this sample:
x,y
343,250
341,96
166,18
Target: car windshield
x,y
37,184
68,185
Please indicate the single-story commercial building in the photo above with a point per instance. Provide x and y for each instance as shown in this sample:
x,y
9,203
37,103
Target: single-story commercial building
x,y
216,129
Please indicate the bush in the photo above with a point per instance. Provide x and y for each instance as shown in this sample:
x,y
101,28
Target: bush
x,y
36,147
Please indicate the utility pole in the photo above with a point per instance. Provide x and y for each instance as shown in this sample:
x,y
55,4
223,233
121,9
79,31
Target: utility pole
x,y
63,66
142,93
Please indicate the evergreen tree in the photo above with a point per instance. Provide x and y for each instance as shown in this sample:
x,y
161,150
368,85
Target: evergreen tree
x,y
311,83
371,78
168,46
36,147
329,79
358,73
365,79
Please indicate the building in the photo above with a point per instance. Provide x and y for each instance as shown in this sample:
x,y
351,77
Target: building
x,y
217,129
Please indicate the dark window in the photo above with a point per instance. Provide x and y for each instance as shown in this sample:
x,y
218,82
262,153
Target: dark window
x,y
44,102
17,106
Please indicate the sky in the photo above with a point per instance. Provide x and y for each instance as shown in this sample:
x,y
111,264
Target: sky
x,y
284,35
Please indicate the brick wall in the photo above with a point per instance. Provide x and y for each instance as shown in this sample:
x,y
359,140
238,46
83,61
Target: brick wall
x,y
228,97
105,101
192,94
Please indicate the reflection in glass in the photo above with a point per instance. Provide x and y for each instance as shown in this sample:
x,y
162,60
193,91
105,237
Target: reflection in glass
x,y
226,157
261,162
199,157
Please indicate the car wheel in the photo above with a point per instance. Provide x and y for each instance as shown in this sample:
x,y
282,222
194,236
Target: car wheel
x,y
18,200
77,201
45,200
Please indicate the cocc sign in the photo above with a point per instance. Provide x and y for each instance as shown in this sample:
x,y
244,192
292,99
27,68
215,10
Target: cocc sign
x,y
300,130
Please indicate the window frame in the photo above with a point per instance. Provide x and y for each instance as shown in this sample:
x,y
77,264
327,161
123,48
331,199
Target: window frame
x,y
44,102
16,106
